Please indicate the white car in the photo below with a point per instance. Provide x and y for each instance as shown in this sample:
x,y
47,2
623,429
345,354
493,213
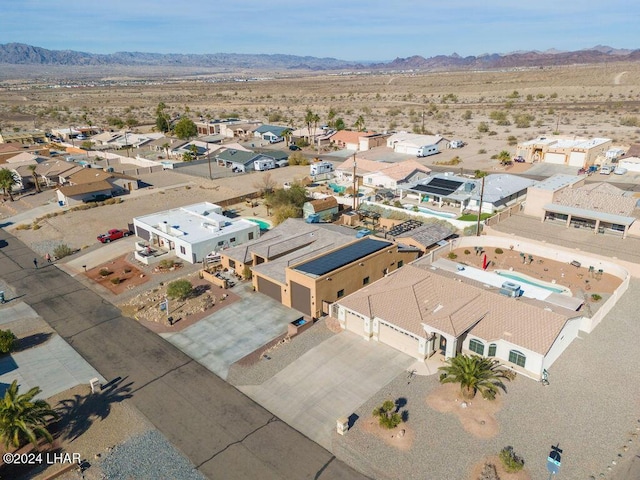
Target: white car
x,y
620,171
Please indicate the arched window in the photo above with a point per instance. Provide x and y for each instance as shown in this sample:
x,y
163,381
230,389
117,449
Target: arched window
x,y
492,350
476,346
517,357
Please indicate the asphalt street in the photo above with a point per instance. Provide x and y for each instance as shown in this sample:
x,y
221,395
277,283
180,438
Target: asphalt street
x,y
223,432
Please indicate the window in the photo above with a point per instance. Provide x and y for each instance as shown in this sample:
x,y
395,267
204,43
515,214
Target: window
x,y
221,243
250,235
400,263
233,239
365,280
232,263
476,346
341,293
492,350
183,250
517,357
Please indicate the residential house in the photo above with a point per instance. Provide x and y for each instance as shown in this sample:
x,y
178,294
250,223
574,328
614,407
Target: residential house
x,y
238,160
85,184
600,207
391,175
270,133
309,266
572,151
192,232
500,190
425,237
324,208
50,171
10,150
423,310
27,137
228,127
411,143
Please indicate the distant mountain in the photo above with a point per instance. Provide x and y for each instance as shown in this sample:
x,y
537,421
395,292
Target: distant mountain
x,y
21,54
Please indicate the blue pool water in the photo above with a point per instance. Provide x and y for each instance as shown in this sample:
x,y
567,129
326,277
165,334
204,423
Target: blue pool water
x,y
514,276
337,188
432,212
262,224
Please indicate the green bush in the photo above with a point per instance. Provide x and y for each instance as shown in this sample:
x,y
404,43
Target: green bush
x,y
467,252
387,416
179,289
115,280
511,462
166,264
23,226
105,272
62,250
595,297
499,251
452,256
483,127
7,341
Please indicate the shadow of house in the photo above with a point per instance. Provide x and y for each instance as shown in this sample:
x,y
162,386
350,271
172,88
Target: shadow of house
x,y
31,341
7,364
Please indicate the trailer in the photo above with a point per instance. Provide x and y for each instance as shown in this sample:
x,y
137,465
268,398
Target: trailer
x,y
320,167
427,150
264,164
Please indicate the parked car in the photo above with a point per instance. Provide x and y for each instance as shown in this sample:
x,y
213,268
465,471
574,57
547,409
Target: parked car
x,y
606,170
518,159
113,234
620,171
293,148
282,163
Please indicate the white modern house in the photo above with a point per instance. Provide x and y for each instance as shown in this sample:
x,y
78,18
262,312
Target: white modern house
x,y
192,232
411,143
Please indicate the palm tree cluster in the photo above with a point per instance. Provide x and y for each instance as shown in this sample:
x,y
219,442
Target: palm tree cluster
x,y
388,415
23,419
476,374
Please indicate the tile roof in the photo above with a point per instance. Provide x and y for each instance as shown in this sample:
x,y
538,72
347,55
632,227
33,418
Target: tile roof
x,y
429,234
362,166
413,296
322,204
600,197
402,170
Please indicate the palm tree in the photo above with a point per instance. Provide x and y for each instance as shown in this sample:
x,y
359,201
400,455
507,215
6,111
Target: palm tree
x,y
7,181
505,157
476,374
23,419
32,168
308,119
165,147
359,123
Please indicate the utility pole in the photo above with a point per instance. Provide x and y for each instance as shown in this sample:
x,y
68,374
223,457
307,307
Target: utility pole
x,y
480,206
209,160
355,184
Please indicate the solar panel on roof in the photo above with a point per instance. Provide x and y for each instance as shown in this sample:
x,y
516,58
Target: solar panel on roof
x,y
439,186
344,256
404,227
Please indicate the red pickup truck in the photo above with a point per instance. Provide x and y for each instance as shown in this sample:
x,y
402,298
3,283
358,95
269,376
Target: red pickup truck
x,y
113,234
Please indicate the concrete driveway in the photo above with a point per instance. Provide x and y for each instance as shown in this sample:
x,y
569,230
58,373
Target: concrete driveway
x,y
233,332
330,381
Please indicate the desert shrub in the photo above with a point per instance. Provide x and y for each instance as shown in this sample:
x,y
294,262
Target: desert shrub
x,y
397,204
523,120
499,251
115,280
482,151
483,127
488,472
7,341
499,117
105,272
246,272
553,95
452,256
127,270
166,264
62,250
512,140
179,289
629,122
387,416
467,252
511,461
35,226
595,297
23,226
492,133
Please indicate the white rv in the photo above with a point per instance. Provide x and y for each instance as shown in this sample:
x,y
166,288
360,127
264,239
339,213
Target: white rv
x,y
264,164
320,167
427,150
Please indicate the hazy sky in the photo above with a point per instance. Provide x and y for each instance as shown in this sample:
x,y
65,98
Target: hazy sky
x,y
346,29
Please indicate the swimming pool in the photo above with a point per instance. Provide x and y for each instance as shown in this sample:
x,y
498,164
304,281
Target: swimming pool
x,y
428,211
337,188
520,277
261,223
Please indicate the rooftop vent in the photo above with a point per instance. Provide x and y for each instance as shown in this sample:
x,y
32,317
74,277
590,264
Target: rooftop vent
x,y
510,289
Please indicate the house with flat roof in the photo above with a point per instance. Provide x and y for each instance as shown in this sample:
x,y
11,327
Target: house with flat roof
x,y
600,207
308,266
424,311
358,141
500,191
194,231
574,151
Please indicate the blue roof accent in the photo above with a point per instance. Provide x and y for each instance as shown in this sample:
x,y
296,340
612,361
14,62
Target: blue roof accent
x,y
343,256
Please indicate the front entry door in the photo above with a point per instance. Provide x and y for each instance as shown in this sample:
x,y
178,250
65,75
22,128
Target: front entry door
x,y
443,345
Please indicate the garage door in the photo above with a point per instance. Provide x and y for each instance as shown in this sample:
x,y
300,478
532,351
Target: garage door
x,y
576,159
557,158
270,289
399,340
301,298
354,324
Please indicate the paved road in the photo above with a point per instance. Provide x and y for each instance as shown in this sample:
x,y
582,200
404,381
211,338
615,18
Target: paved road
x,y
224,433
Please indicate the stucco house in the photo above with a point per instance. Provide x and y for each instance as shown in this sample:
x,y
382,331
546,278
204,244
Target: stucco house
x,y
85,184
194,231
424,311
600,207
391,175
410,143
359,141
238,160
573,151
270,133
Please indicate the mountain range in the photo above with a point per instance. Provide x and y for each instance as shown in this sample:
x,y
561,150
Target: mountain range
x,y
22,54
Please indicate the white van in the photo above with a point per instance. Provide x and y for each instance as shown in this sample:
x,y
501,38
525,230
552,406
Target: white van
x,y
606,170
427,150
320,167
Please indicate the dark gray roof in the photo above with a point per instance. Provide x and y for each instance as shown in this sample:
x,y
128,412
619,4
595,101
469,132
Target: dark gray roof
x,y
429,234
343,256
